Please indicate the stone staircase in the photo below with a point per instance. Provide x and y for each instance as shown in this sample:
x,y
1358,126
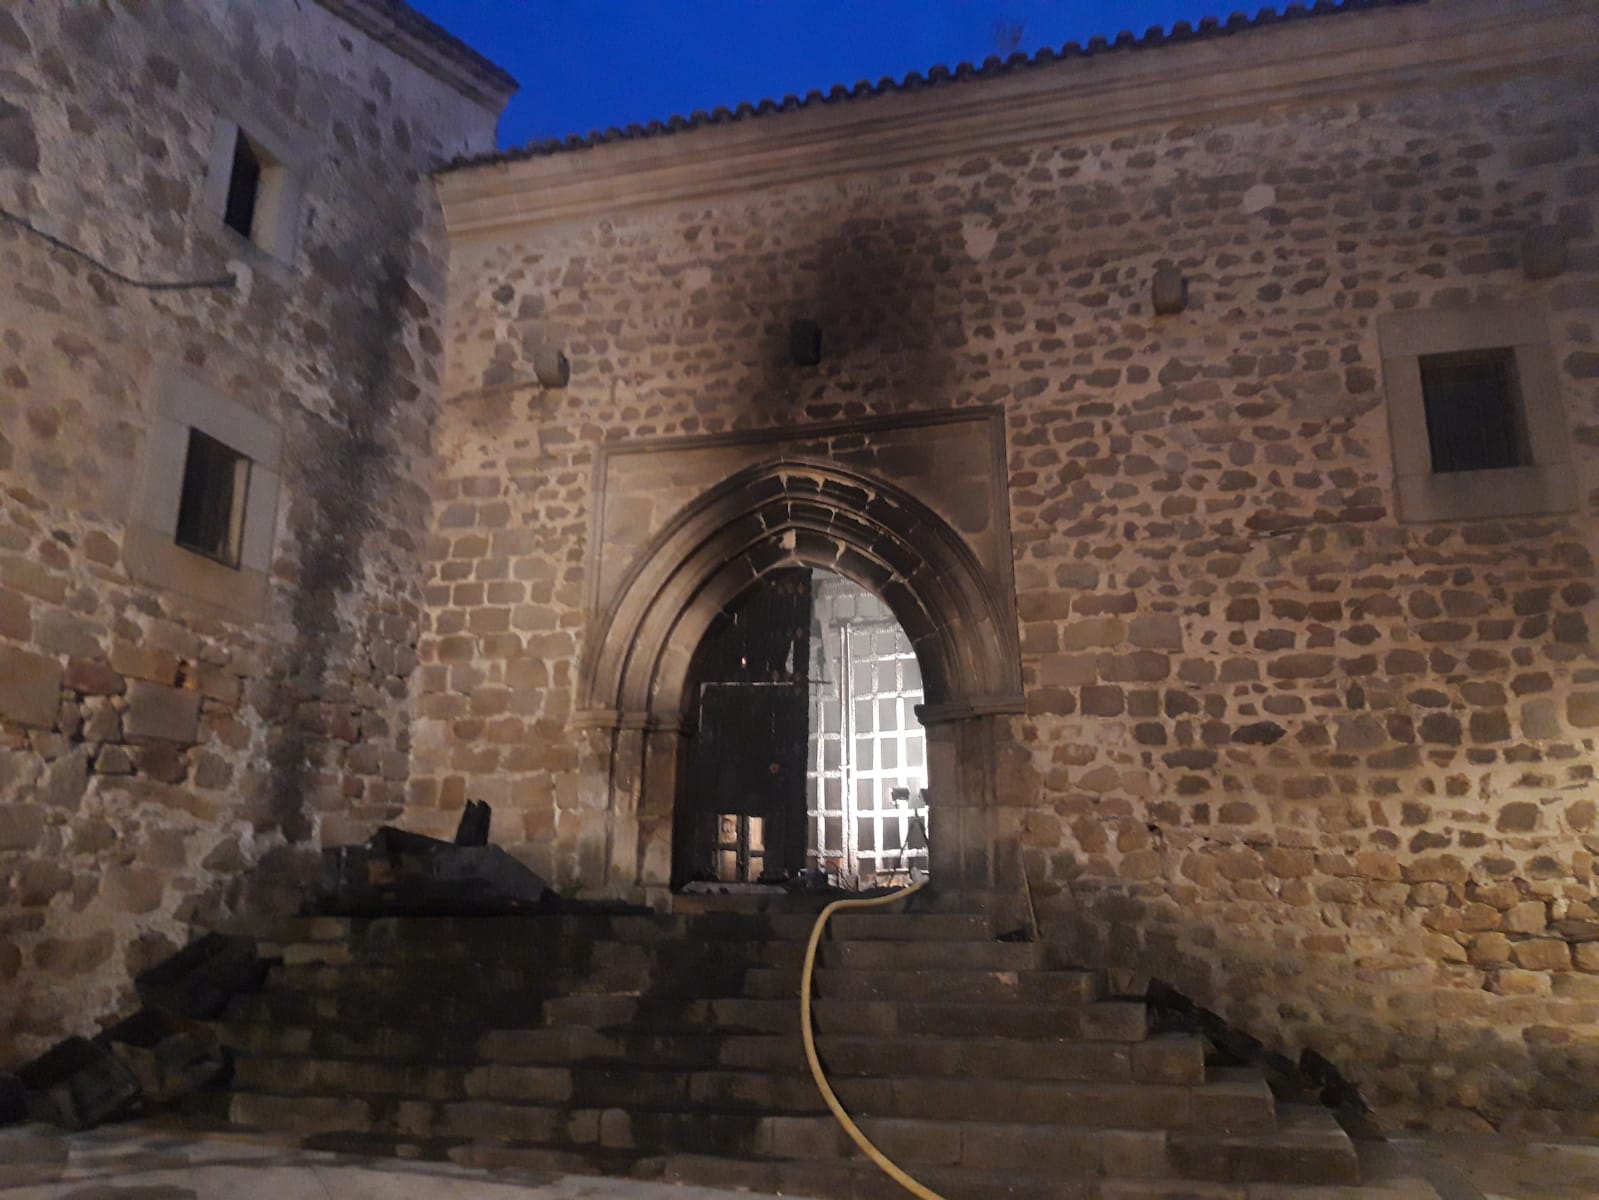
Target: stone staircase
x,y
668,1047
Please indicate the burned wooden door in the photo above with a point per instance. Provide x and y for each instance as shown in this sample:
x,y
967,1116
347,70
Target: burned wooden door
x,y
740,813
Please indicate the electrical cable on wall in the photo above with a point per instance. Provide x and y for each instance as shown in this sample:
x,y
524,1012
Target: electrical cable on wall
x,y
175,285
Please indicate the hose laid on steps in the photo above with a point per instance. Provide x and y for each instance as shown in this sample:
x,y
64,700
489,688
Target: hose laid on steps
x,y
888,1166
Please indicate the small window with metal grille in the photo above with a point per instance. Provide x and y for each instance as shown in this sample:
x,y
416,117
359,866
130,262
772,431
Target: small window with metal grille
x,y
216,479
1474,418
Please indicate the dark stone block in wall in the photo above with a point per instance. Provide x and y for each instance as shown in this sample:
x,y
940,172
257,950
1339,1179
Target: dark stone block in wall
x,y
19,145
79,1084
1260,733
13,1101
198,980
805,343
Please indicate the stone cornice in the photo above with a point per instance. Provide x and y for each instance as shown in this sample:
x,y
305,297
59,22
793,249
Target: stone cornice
x,y
1359,55
413,37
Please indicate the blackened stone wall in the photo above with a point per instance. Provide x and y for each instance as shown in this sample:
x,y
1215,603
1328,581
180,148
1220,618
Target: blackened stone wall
x,y
164,762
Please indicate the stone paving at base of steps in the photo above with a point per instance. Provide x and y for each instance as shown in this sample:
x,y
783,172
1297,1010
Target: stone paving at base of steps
x,y
146,1161
1465,1166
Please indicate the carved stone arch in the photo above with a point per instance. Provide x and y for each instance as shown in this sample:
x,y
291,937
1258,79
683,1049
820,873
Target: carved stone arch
x,y
790,511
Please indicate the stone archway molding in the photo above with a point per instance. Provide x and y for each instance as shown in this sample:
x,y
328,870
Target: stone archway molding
x,y
787,512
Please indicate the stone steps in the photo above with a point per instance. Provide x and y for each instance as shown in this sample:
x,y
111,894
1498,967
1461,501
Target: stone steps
x,y
1054,985
543,956
884,955
1311,1147
343,939
1101,1020
956,985
647,1045
753,968
1233,1105
1167,1058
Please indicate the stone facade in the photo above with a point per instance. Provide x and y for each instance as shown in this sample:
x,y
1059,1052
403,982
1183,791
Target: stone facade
x,y
175,736
1198,681
1328,770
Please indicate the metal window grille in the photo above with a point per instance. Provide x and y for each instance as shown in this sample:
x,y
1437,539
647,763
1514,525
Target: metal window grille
x,y
866,785
1474,419
740,848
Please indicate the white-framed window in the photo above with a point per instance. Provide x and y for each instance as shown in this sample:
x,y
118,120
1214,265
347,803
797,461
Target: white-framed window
x,y
254,184
206,508
1475,413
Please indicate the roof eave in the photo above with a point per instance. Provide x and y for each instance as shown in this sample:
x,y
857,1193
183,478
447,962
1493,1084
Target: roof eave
x,y
399,27
1286,64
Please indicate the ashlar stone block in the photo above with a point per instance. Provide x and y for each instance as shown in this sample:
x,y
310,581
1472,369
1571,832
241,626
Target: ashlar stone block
x,y
1530,916
21,826
30,688
159,713
1542,954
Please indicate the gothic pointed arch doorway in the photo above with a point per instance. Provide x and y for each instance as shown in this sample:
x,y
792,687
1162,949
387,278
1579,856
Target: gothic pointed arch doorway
x,y
636,679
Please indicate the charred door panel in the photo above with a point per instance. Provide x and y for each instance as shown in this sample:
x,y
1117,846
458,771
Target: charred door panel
x,y
747,753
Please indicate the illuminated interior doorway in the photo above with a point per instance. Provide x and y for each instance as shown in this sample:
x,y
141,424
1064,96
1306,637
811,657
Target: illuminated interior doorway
x,y
866,782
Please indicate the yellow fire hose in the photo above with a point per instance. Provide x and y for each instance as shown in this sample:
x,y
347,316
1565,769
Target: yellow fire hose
x,y
888,1167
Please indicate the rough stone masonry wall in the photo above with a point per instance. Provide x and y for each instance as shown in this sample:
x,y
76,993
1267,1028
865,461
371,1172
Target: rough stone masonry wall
x,y
1330,773
164,763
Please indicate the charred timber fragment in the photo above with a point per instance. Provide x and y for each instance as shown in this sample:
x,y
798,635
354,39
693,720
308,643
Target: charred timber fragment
x,y
396,872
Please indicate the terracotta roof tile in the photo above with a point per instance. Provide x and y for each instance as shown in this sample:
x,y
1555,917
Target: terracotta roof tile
x,y
940,76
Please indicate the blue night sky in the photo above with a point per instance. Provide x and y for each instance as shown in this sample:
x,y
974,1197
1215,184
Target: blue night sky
x,y
590,64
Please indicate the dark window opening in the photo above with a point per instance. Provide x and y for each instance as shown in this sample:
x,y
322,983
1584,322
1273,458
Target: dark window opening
x,y
1474,421
244,187
211,508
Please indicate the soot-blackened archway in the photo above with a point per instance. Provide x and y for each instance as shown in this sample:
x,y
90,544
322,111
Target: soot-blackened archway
x,y
794,512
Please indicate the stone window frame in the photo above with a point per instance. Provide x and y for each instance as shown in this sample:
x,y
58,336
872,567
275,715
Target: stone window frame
x,y
1547,484
285,161
183,402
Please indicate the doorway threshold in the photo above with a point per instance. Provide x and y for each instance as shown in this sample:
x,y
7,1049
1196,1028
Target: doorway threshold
x,y
711,897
